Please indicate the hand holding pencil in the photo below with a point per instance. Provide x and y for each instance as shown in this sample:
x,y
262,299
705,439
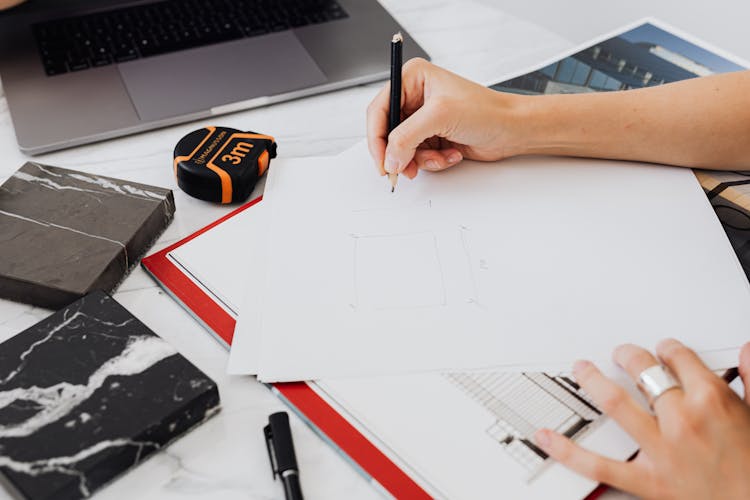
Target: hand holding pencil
x,y
445,118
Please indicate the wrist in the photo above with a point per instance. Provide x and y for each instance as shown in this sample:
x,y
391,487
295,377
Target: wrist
x,y
533,124
547,125
522,123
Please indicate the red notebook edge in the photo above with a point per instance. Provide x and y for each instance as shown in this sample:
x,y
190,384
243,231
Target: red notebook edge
x,y
302,399
182,289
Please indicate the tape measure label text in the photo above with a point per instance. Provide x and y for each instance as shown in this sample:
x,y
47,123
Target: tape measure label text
x,y
201,158
239,151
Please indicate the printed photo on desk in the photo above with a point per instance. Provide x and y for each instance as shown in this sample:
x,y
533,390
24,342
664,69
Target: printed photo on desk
x,y
646,55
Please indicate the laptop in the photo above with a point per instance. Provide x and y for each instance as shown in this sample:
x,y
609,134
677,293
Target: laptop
x,y
80,71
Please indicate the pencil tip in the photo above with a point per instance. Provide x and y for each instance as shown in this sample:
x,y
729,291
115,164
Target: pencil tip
x,y
398,37
393,188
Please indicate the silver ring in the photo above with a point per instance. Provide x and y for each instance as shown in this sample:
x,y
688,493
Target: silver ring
x,y
655,381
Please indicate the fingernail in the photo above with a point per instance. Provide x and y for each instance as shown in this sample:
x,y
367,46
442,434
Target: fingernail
x,y
431,165
391,164
579,366
453,158
542,438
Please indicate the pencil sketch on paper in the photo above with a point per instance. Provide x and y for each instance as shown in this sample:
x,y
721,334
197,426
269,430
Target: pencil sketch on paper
x,y
522,403
464,233
397,271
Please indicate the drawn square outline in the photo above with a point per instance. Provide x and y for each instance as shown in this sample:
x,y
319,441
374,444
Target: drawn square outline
x,y
397,271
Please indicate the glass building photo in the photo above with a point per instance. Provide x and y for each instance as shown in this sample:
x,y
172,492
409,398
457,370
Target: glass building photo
x,y
642,57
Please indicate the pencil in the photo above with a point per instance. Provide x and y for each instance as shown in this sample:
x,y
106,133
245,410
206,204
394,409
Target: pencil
x,y
394,110
730,375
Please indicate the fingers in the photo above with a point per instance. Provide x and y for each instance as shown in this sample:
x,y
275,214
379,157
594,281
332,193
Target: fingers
x,y
427,121
623,475
432,160
427,159
634,359
412,97
684,363
377,127
744,367
411,170
394,152
435,160
617,403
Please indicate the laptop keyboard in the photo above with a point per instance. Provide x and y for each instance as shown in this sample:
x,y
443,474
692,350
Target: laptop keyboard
x,y
93,40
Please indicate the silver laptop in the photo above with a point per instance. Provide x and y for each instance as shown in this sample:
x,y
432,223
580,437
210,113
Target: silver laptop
x,y
76,72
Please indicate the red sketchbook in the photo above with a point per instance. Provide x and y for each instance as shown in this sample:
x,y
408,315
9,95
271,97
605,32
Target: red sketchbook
x,y
323,418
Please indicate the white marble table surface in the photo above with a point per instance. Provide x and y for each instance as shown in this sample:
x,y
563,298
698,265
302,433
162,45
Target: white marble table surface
x,y
226,457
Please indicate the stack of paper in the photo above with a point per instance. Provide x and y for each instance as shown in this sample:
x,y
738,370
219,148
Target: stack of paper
x,y
526,264
590,262
531,262
487,414
455,410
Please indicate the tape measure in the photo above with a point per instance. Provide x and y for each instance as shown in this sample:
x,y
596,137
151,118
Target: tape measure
x,y
222,164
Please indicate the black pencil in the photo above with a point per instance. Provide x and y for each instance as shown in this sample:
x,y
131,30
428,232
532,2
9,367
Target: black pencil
x,y
394,110
730,375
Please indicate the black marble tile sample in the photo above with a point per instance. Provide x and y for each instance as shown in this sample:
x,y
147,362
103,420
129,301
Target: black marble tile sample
x,y
64,233
88,393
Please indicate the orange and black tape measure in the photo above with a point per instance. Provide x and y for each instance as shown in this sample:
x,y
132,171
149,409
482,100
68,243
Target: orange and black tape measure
x,y
222,164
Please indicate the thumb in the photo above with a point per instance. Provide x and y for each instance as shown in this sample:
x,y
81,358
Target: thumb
x,y
403,141
745,369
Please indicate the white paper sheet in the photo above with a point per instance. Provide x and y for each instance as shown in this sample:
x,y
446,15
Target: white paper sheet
x,y
540,261
252,226
467,435
216,259
244,357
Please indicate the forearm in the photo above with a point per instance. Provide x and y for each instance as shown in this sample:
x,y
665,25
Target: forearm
x,y
703,122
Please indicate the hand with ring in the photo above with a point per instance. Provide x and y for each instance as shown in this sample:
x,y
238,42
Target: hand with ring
x,y
694,445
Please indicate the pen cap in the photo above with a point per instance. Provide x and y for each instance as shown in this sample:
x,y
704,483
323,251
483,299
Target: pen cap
x,y
222,164
280,434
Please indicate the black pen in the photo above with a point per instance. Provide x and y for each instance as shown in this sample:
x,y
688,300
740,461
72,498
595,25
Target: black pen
x,y
281,452
394,110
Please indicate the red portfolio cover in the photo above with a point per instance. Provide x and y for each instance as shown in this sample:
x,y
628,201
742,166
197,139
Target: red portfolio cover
x,y
324,419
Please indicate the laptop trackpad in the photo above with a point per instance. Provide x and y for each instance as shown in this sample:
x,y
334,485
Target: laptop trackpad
x,y
198,79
